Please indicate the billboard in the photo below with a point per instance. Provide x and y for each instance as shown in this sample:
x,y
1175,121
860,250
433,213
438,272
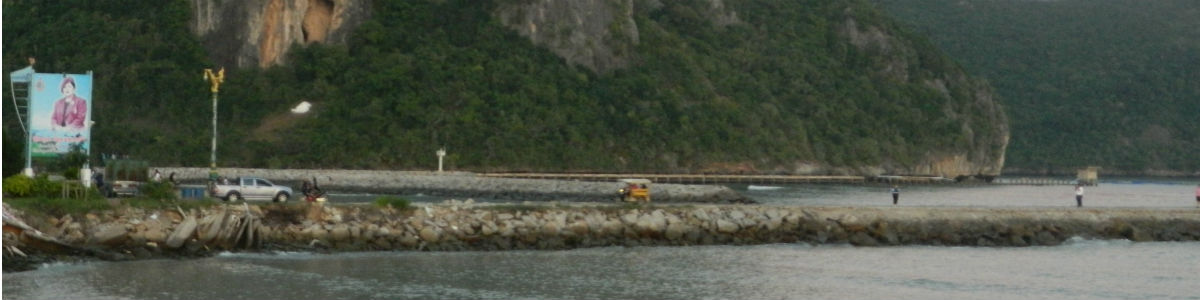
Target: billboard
x,y
60,113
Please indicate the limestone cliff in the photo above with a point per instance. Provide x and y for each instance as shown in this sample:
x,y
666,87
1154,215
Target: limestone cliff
x,y
258,33
601,35
982,120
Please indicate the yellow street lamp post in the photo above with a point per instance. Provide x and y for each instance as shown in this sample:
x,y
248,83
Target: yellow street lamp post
x,y
215,79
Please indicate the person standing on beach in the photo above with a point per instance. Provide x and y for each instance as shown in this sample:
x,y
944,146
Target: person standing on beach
x,y
895,194
1078,195
1197,194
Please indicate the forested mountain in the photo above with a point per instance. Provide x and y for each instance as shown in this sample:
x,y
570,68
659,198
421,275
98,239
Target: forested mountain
x,y
808,86
1112,83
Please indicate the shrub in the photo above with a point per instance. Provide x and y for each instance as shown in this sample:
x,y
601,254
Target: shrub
x,y
18,186
157,190
394,202
43,187
71,173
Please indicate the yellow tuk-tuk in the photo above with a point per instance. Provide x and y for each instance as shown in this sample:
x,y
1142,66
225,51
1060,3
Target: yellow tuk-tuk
x,y
634,190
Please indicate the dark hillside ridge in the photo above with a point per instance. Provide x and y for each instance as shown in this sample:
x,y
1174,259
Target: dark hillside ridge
x,y
1113,83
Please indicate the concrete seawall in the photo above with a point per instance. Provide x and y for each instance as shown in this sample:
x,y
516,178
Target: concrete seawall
x,y
452,226
465,185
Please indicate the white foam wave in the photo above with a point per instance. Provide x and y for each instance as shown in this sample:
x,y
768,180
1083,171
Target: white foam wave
x,y
763,188
1078,241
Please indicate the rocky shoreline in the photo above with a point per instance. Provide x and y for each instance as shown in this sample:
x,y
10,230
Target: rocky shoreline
x,y
130,233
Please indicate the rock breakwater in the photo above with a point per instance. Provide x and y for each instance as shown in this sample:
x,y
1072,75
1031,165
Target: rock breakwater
x,y
464,226
453,225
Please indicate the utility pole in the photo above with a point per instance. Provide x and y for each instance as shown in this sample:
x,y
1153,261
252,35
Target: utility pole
x,y
215,79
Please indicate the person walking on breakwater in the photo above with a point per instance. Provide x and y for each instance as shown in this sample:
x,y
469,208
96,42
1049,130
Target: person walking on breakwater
x,y
312,192
307,189
895,194
1197,194
1078,195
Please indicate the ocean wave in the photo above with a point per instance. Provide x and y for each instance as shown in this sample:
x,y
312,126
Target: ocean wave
x,y
1078,241
270,255
763,188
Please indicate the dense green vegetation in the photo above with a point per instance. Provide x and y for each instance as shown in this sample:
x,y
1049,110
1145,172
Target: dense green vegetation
x,y
44,196
1114,83
782,87
149,95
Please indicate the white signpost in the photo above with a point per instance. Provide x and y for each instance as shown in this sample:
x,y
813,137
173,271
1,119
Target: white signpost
x,y
441,153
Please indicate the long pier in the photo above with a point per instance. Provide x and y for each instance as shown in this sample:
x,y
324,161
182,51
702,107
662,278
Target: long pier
x,y
772,179
688,178
1037,181
717,178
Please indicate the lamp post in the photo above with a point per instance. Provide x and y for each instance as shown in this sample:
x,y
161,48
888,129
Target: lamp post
x,y
441,153
215,79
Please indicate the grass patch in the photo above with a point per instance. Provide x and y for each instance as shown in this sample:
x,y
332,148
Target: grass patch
x,y
393,202
517,207
58,206
152,203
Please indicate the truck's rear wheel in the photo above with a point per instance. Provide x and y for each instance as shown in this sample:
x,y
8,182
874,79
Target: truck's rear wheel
x,y
233,196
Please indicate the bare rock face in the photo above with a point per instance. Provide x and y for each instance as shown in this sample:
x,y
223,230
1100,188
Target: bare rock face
x,y
599,35
596,34
258,33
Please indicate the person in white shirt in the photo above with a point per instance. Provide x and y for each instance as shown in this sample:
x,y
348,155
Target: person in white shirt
x,y
1078,195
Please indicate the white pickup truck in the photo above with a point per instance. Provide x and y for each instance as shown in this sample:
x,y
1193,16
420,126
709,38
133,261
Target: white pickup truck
x,y
251,188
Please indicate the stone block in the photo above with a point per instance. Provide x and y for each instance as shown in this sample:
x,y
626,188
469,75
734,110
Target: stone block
x,y
109,234
724,226
429,234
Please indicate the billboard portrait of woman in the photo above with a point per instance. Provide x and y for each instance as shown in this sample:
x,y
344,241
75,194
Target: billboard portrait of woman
x,y
70,111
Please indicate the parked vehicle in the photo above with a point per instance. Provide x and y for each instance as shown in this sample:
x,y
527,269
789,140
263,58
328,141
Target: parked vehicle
x,y
124,177
251,188
635,190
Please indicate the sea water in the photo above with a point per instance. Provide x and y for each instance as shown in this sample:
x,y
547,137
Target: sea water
x,y
1078,269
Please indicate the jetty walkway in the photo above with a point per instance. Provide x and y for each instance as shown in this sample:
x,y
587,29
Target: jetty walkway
x,y
774,179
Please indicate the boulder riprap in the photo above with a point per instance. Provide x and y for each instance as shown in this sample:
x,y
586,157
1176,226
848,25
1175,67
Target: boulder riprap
x,y
455,225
